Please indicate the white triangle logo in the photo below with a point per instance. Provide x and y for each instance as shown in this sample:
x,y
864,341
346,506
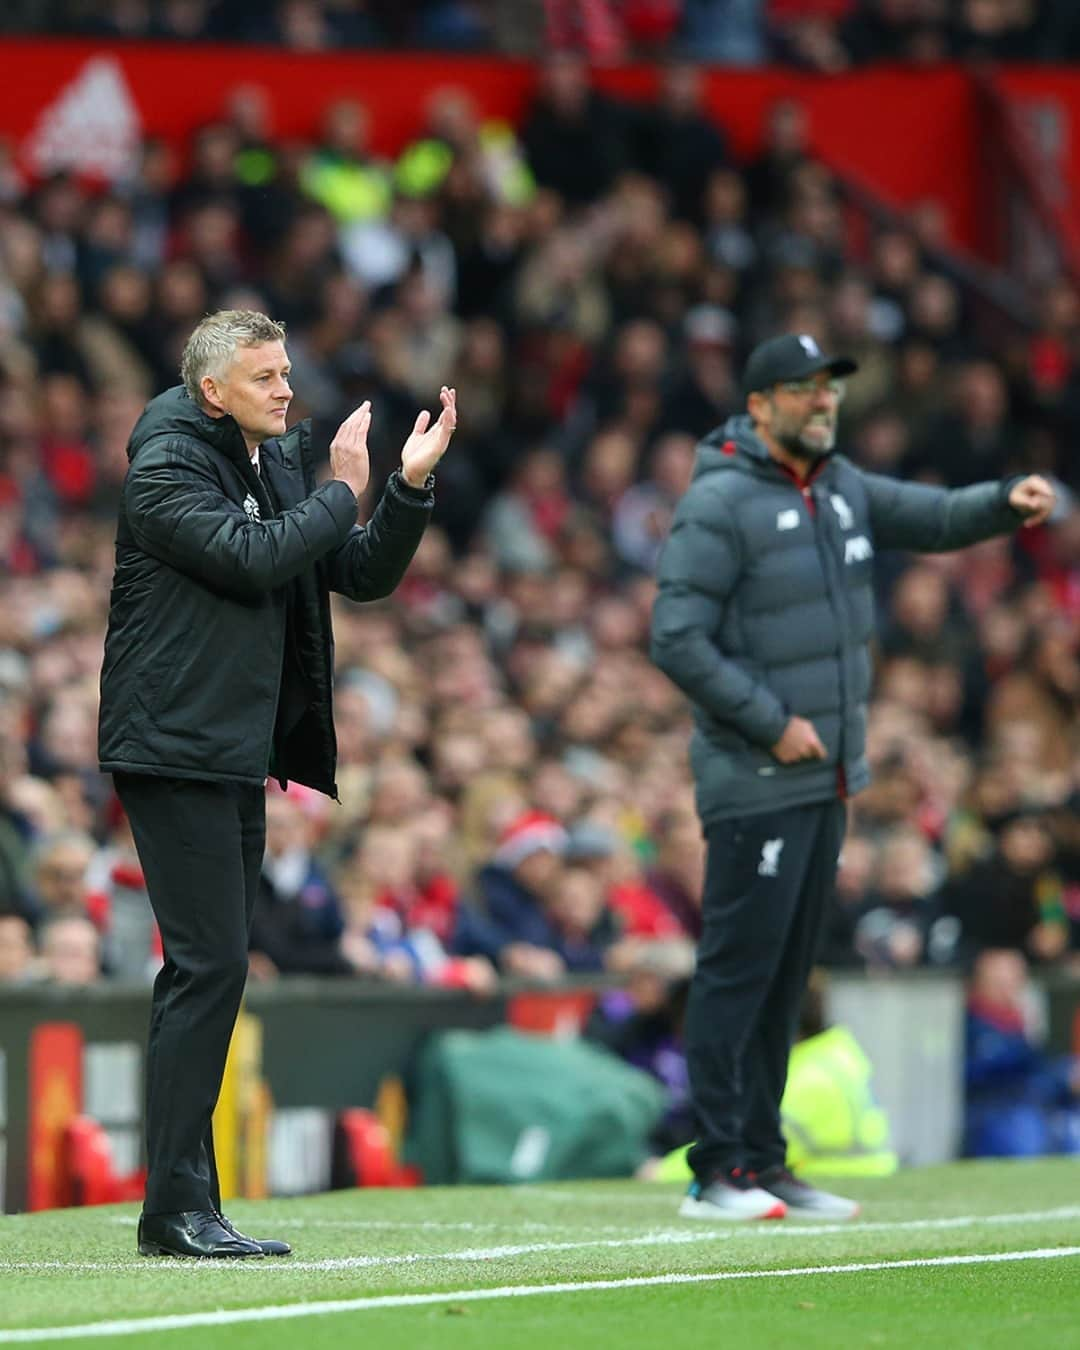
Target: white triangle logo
x,y
92,127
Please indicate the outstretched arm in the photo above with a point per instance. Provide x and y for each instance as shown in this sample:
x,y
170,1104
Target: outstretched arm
x,y
934,520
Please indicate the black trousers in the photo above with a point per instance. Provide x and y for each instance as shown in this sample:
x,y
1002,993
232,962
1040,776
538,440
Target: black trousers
x,y
769,880
201,847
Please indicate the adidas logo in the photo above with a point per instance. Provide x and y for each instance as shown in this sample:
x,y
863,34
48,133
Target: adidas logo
x,y
92,126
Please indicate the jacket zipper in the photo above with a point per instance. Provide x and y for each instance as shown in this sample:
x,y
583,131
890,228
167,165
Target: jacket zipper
x,y
806,491
835,604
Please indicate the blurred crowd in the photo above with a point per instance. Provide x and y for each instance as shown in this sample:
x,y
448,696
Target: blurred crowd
x,y
824,35
515,798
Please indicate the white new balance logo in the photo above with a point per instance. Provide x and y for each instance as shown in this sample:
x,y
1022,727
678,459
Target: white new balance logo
x,y
787,520
769,866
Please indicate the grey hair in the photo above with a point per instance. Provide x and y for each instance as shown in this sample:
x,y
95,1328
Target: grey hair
x,y
63,838
211,347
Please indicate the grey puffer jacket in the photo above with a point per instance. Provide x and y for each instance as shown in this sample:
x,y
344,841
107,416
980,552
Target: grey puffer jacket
x,y
765,609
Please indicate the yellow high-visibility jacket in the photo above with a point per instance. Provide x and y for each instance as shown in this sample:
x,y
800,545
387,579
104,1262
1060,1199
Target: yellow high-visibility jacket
x,y
832,1123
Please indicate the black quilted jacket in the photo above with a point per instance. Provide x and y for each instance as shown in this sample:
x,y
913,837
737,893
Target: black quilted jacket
x,y
208,566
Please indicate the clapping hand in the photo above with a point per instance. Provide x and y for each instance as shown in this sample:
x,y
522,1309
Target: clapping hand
x,y
349,450
1034,498
427,445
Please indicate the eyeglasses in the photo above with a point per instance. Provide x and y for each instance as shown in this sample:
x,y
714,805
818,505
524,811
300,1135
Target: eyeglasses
x,y
807,388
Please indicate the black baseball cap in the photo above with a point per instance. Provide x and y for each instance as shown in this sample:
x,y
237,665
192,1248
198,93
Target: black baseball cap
x,y
795,356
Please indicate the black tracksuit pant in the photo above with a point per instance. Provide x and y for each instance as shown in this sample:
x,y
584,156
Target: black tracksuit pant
x,y
769,881
201,847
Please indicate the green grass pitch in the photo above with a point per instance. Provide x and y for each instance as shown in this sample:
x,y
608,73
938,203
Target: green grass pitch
x,y
970,1255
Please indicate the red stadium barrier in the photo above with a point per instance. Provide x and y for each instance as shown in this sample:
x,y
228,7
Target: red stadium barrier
x,y
910,134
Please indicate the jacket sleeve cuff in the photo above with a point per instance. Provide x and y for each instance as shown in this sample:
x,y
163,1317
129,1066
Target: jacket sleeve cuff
x,y
1007,485
422,495
765,721
340,500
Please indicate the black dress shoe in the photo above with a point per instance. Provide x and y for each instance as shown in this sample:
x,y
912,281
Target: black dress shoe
x,y
197,1232
270,1246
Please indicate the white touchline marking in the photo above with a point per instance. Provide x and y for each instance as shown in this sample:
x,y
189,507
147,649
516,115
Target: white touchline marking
x,y
419,1225
281,1312
663,1238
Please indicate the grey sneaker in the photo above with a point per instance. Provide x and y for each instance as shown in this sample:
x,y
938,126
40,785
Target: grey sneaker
x,y
802,1200
731,1197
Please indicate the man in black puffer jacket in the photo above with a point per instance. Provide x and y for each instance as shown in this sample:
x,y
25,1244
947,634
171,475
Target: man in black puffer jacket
x,y
218,672
763,618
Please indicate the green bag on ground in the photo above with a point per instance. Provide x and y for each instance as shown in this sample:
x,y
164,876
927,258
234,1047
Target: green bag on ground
x,y
504,1106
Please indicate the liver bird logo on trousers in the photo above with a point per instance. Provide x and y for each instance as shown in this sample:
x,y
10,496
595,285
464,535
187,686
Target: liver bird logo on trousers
x,y
769,866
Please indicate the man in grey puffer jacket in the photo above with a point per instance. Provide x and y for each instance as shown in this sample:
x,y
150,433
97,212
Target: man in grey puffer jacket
x,y
763,618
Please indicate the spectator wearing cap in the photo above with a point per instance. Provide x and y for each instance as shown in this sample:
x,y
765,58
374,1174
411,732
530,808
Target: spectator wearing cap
x,y
510,921
764,617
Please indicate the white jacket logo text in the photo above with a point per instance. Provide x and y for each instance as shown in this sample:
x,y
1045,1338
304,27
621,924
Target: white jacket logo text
x,y
858,549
